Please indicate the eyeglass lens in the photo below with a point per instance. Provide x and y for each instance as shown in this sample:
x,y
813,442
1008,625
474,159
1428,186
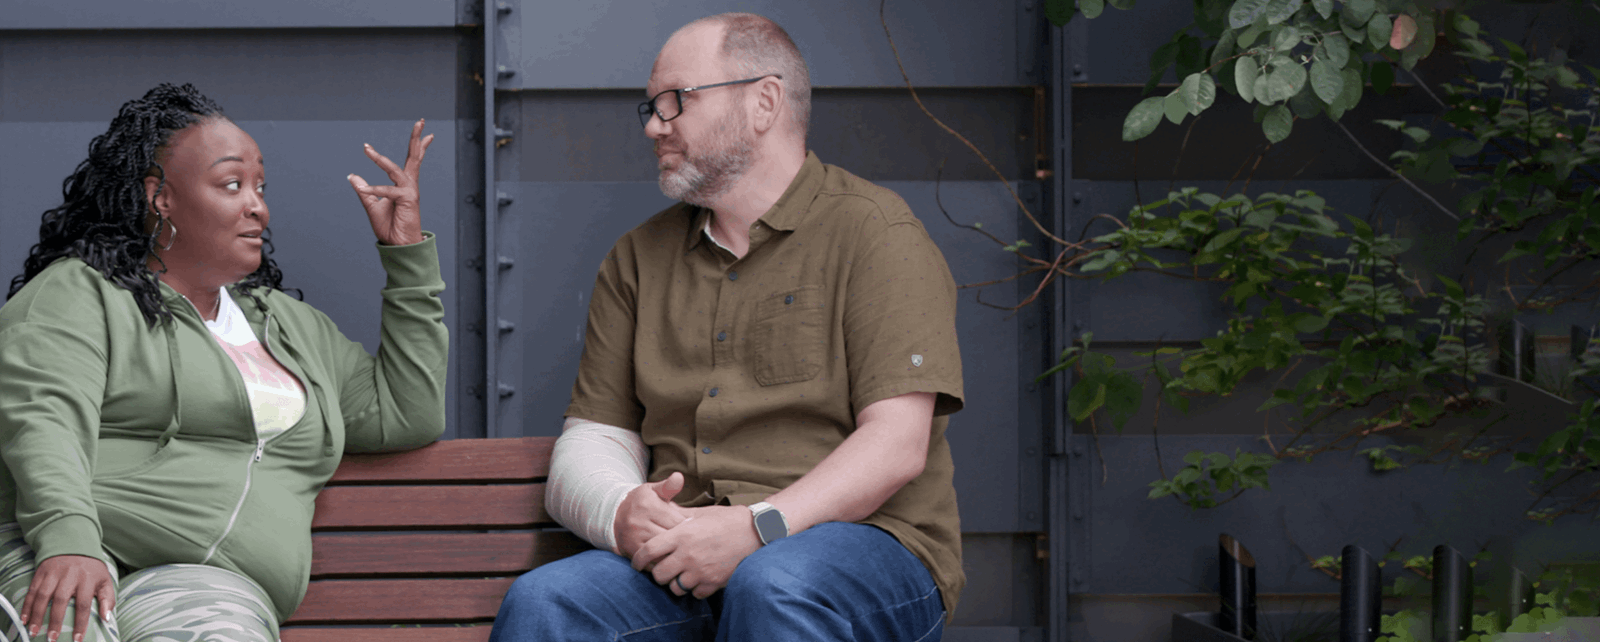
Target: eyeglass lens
x,y
667,103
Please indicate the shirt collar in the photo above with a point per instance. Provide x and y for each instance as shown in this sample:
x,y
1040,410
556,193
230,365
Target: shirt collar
x,y
786,214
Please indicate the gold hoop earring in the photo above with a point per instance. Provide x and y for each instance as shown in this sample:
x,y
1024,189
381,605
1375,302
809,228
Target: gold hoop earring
x,y
167,221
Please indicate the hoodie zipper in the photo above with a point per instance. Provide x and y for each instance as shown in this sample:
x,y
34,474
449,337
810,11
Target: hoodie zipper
x,y
250,466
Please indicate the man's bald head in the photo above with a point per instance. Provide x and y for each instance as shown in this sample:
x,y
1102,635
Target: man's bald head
x,y
752,46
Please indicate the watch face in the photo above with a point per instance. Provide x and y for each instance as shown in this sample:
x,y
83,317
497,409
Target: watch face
x,y
770,525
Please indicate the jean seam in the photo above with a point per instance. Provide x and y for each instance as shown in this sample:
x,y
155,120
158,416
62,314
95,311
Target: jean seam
x,y
932,593
936,624
619,636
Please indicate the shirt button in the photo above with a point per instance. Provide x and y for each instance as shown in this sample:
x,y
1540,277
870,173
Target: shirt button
x,y
733,276
788,299
722,336
713,392
706,450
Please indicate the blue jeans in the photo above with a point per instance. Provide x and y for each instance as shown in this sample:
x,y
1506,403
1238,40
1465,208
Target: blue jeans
x,y
834,581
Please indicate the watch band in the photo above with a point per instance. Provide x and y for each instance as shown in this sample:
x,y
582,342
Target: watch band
x,y
769,522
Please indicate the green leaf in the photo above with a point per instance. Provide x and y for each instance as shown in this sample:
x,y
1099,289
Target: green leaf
x,y
1199,92
1286,37
1174,108
1427,35
1337,48
1281,10
1326,80
1310,323
1349,96
1245,72
1123,5
1277,123
1382,77
1222,241
1284,82
1059,12
1356,33
1357,12
1248,36
1092,8
1305,104
1124,395
1223,48
1143,118
1324,7
1085,398
1245,12
1378,30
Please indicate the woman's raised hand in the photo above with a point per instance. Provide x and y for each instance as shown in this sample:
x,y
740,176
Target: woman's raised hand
x,y
395,210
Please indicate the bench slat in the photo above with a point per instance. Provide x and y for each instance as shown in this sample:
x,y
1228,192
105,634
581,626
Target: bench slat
x,y
420,554
400,634
431,507
457,460
401,601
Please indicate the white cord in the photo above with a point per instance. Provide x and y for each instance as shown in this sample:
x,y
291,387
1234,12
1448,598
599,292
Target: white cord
x,y
16,620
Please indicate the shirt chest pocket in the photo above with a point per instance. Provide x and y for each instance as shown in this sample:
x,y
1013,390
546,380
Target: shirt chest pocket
x,y
790,334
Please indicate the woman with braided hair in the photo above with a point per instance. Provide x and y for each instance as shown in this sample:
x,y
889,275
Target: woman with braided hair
x,y
167,412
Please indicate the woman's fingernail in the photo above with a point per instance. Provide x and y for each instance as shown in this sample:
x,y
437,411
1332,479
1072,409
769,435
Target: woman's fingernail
x,y
366,145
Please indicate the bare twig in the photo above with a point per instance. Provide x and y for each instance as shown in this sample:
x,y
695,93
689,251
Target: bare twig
x,y
981,156
1424,86
938,180
1396,174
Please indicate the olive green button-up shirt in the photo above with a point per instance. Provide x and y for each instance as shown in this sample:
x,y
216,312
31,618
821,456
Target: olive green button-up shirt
x,y
744,373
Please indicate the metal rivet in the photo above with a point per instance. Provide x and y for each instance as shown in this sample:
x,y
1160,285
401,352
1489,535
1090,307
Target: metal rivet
x,y
788,299
722,336
713,392
733,276
706,450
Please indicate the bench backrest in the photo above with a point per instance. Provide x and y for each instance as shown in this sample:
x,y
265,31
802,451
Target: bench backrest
x,y
429,536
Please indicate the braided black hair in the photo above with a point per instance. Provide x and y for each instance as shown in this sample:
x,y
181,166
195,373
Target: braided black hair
x,y
103,214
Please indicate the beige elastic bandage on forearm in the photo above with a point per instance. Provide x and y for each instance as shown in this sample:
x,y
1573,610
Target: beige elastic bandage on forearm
x,y
592,469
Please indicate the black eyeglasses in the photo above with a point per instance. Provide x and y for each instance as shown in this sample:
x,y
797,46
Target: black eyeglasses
x,y
672,107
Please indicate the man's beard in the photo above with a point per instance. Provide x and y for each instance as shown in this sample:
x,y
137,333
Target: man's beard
x,y
699,178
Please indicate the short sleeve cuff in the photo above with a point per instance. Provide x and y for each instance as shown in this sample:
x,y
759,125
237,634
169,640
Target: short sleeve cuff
x,y
67,535
414,265
947,395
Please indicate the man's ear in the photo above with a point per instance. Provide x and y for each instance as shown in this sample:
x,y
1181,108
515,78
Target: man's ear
x,y
769,105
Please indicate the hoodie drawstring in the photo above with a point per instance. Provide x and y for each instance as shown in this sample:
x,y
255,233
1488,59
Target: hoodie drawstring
x,y
177,390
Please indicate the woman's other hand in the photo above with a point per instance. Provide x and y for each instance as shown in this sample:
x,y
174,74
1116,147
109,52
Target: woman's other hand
x,y
62,578
395,210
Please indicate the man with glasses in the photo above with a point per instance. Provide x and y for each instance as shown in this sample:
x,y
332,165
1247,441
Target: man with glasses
x,y
777,355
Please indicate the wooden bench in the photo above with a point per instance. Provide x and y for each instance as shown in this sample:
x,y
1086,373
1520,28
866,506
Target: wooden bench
x,y
424,543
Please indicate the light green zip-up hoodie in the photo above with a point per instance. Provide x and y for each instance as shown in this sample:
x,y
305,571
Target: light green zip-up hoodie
x,y
139,441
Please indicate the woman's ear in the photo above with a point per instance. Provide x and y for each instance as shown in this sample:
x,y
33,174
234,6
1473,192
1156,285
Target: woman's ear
x,y
157,202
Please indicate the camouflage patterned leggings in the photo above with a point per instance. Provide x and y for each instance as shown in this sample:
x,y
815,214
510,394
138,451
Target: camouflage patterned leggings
x,y
169,603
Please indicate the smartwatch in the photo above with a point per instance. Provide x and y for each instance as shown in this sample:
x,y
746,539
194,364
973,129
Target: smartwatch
x,y
769,521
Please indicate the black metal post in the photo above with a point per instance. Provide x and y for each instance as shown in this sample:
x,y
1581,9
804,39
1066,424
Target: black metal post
x,y
1519,596
1238,570
1360,596
1452,595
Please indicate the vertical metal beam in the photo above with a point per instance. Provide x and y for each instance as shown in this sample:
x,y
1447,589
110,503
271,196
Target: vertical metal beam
x,y
1064,315
491,216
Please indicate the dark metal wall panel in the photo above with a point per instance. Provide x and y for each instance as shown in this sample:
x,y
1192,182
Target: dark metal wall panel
x,y
1137,545
614,44
209,14
333,74
594,135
